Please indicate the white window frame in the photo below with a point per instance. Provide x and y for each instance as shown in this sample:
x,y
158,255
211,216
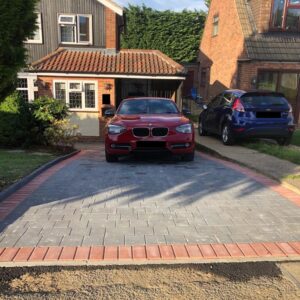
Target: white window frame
x,y
40,30
77,28
31,79
82,91
216,24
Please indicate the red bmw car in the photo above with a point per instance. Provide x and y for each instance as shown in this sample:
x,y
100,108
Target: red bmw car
x,y
148,125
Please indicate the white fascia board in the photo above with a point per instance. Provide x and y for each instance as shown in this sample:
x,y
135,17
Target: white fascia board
x,y
109,76
113,6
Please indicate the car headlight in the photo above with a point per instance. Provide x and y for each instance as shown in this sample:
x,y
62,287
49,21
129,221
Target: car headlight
x,y
186,128
115,129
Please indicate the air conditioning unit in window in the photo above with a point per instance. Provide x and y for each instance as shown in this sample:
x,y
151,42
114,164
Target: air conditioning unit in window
x,y
67,19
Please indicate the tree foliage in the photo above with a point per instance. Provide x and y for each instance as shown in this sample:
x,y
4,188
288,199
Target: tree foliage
x,y
18,22
207,2
177,34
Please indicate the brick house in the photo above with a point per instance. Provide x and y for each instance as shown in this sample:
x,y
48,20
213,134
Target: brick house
x,y
252,44
75,57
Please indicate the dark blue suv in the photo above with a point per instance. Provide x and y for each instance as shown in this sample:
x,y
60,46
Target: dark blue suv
x,y
238,114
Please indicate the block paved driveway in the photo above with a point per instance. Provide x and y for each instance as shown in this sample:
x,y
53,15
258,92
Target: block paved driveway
x,y
135,202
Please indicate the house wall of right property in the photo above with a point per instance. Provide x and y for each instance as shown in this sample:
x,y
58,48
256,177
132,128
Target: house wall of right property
x,y
219,52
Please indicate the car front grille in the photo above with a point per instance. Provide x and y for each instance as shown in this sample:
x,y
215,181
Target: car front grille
x,y
160,131
141,132
144,132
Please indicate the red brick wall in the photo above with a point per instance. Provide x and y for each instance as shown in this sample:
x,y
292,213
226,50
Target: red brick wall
x,y
111,25
221,52
261,12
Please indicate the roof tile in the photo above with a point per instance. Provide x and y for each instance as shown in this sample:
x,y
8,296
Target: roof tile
x,y
129,62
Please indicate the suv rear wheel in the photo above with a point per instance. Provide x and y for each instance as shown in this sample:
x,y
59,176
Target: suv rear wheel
x,y
227,135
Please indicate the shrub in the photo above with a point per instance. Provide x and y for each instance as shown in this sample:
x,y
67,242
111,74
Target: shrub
x,y
46,111
61,134
16,122
42,122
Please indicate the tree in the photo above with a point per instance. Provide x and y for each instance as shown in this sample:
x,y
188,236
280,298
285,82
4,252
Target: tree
x,y
207,3
177,34
18,23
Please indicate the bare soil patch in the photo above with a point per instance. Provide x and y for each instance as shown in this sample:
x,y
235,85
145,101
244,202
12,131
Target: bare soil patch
x,y
219,281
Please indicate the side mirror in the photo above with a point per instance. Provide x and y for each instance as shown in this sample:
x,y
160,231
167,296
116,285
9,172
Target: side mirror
x,y
186,112
109,113
205,107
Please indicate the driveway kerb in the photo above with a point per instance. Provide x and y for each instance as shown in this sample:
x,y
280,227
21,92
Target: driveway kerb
x,y
22,182
215,154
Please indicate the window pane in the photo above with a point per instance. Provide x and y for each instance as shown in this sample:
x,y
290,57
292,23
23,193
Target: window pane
x,y
278,9
90,94
22,83
289,87
75,86
84,29
293,19
215,25
67,34
294,2
75,100
268,81
60,91
24,95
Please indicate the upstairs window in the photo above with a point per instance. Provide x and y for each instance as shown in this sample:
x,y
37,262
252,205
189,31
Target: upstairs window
x,y
215,25
286,15
37,37
75,29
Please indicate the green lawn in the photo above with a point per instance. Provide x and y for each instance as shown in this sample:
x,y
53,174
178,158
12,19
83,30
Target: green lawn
x,y
296,138
282,152
193,118
14,164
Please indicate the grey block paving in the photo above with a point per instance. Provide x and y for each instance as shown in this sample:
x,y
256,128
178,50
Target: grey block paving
x,y
134,202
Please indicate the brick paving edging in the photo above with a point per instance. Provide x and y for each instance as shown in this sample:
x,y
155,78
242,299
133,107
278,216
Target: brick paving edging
x,y
151,254
279,188
12,201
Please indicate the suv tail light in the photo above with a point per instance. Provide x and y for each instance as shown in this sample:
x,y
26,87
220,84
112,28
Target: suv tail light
x,y
238,106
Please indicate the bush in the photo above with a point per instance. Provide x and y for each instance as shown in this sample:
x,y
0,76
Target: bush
x,y
61,134
42,122
16,122
46,111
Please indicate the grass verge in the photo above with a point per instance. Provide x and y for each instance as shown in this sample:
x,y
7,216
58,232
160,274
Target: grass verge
x,y
282,152
16,164
296,138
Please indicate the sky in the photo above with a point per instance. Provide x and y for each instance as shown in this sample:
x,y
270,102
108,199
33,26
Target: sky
x,y
176,5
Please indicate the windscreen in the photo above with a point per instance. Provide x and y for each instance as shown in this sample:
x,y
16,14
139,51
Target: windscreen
x,y
264,100
146,106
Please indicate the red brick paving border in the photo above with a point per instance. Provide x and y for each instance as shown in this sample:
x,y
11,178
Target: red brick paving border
x,y
270,183
11,202
213,252
152,253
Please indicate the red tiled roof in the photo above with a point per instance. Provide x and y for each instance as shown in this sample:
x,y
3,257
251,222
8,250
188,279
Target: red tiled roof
x,y
127,62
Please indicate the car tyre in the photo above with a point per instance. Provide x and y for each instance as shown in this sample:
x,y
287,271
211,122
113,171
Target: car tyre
x,y
188,156
110,157
227,135
201,130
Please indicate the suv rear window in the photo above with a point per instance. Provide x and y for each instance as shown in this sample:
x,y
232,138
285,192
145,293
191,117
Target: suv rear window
x,y
263,100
